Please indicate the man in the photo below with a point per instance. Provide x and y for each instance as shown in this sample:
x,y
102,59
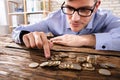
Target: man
x,y
78,23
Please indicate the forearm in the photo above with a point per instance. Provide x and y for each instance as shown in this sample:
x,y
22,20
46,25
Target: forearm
x,y
88,40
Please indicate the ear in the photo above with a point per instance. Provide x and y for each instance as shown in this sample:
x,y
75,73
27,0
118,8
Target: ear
x,y
97,5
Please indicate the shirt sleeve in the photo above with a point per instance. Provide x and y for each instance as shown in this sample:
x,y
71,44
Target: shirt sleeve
x,y
109,39
41,26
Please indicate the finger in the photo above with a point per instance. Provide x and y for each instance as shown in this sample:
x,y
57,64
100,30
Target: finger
x,y
45,45
38,40
50,44
31,40
26,41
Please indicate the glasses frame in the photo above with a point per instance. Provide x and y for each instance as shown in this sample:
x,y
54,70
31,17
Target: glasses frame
x,y
78,9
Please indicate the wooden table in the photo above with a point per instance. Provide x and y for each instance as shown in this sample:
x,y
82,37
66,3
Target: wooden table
x,y
14,63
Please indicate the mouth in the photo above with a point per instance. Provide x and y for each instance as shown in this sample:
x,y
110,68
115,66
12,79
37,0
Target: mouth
x,y
75,24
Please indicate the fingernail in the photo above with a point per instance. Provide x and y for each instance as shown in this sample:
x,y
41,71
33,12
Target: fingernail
x,y
47,56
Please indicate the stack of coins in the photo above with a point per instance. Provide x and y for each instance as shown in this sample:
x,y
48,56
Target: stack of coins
x,y
92,59
56,58
80,59
63,55
70,66
72,56
50,63
88,66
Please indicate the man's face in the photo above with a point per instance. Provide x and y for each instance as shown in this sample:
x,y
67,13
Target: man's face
x,y
76,21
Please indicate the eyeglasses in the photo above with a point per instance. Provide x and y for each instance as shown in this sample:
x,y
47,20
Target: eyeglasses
x,y
83,11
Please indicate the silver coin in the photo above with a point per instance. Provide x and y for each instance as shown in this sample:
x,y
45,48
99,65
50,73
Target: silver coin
x,y
33,64
104,72
107,65
103,65
44,64
110,65
51,63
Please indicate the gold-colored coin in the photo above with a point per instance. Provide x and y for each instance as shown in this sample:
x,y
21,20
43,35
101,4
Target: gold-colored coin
x,y
63,55
76,66
91,59
88,65
62,66
89,68
80,59
72,56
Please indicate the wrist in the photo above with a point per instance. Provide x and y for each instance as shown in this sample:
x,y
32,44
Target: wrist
x,y
88,40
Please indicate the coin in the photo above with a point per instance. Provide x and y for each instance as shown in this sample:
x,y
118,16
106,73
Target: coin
x,y
107,65
111,65
62,66
56,58
33,64
44,64
68,66
89,68
104,72
91,59
63,55
4,73
88,65
76,66
103,65
72,56
80,59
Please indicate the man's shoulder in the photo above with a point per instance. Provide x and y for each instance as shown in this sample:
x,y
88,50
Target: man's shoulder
x,y
103,12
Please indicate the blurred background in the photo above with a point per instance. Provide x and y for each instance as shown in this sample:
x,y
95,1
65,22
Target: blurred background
x,y
23,12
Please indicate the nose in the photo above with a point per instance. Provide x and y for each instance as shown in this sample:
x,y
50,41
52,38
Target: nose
x,y
75,16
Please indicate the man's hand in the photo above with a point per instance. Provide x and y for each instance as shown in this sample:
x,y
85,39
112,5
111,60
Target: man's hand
x,y
39,40
75,40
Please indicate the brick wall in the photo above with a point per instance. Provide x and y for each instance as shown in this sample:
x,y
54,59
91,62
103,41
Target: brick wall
x,y
113,5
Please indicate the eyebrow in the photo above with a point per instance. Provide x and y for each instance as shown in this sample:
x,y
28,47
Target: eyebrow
x,y
83,7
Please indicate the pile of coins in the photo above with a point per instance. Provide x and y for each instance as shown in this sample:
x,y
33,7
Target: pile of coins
x,y
70,66
88,66
50,63
85,63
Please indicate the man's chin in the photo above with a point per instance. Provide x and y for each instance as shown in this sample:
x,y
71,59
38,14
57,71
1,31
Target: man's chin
x,y
75,30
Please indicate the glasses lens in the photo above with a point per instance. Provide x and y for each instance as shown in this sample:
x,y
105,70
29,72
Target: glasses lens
x,y
68,10
85,12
